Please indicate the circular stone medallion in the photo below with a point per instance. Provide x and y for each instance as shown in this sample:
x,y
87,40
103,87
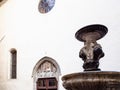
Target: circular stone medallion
x,y
46,5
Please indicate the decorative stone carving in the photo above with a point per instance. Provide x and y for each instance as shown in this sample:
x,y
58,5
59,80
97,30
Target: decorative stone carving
x,y
92,51
47,69
92,78
90,54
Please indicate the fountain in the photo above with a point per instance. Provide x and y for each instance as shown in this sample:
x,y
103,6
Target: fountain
x,y
92,78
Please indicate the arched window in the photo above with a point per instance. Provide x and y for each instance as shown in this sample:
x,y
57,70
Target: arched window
x,y
46,74
13,65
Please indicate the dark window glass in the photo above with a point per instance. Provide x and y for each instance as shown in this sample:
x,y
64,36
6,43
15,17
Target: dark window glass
x,y
41,83
52,82
47,84
13,64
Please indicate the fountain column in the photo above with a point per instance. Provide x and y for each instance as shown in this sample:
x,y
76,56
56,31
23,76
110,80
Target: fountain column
x,y
92,78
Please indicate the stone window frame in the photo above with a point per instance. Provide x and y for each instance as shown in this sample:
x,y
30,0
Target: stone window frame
x,y
41,61
13,64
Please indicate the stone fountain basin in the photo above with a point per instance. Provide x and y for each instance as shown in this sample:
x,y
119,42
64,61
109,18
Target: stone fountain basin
x,y
92,80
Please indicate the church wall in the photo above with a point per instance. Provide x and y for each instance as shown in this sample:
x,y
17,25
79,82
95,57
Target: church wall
x,y
35,35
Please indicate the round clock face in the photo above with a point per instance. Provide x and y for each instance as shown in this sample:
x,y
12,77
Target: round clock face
x,y
46,5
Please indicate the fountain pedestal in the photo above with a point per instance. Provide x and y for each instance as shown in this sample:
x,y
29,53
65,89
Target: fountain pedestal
x,y
92,78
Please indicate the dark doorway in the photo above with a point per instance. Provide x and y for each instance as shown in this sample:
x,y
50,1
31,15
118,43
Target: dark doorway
x,y
47,83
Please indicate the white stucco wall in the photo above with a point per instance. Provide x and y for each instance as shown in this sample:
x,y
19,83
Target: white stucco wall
x,y
35,35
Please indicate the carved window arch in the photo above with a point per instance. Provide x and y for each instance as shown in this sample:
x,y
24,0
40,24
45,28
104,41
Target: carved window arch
x,y
46,69
45,73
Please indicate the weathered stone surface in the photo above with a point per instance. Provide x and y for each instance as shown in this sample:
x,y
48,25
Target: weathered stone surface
x,y
92,80
92,51
97,31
